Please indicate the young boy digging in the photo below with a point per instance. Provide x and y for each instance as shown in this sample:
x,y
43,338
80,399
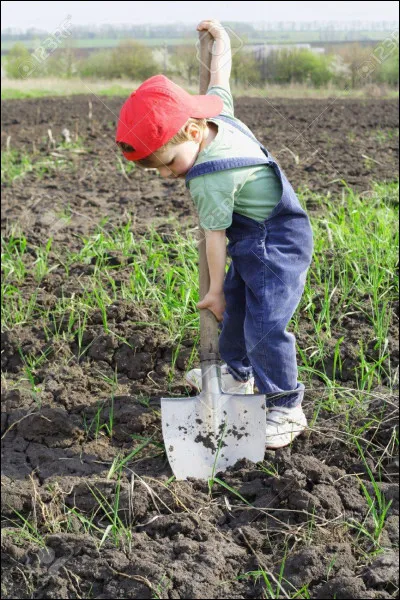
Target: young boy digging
x,y
241,194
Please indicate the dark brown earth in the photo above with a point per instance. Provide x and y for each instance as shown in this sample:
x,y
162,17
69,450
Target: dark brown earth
x,y
185,543
320,144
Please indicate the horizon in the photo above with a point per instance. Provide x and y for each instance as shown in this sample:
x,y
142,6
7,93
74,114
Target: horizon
x,y
355,25
45,16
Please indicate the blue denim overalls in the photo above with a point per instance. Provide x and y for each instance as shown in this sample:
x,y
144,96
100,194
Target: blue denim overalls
x,y
263,286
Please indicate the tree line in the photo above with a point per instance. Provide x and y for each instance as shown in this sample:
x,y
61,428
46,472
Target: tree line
x,y
174,30
349,66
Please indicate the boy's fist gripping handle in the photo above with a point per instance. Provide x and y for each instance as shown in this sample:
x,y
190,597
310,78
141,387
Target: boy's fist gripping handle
x,y
208,322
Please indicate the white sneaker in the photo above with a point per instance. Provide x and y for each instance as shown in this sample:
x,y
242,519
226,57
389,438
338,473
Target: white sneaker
x,y
229,385
283,425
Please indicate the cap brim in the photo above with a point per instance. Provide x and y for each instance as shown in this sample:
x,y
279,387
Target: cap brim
x,y
204,106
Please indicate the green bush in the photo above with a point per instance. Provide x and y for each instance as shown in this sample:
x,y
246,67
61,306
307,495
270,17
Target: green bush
x,y
245,69
133,60
63,63
389,70
128,60
19,64
300,66
97,65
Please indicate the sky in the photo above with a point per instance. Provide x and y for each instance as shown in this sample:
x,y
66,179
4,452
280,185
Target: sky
x,y
48,15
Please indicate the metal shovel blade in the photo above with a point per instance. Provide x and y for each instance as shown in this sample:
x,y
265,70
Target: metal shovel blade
x,y
210,432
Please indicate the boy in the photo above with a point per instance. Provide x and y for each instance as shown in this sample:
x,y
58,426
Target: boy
x,y
240,193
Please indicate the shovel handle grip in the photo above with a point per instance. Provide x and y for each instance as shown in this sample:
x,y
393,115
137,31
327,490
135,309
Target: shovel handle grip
x,y
208,322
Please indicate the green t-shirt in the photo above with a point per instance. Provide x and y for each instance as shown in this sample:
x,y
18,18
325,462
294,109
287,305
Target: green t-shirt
x,y
250,191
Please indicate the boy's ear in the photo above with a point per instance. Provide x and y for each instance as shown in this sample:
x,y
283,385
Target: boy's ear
x,y
193,130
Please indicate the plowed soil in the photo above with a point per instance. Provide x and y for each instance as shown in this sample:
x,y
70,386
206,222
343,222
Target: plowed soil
x,y
185,543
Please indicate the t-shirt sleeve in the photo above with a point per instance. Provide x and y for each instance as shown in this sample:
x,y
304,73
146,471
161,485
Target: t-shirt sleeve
x,y
225,94
214,205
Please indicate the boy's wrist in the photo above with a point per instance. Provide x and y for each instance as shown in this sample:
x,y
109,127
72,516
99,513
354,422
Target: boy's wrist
x,y
216,290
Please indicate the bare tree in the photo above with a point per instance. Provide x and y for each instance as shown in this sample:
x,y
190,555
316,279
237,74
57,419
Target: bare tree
x,y
358,59
185,61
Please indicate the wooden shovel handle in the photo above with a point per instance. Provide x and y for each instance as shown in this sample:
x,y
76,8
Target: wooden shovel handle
x,y
208,322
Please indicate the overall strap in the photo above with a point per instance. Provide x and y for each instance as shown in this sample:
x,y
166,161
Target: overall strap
x,y
221,164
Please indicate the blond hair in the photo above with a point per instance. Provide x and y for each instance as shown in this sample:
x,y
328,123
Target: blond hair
x,y
179,138
182,135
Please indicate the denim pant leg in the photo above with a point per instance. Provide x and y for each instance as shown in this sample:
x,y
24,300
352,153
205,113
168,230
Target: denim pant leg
x,y
232,345
272,353
274,279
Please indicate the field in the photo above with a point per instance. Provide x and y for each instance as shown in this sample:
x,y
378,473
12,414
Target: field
x,y
99,290
269,37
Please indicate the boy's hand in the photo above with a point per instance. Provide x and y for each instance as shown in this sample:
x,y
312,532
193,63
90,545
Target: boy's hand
x,y
215,303
214,27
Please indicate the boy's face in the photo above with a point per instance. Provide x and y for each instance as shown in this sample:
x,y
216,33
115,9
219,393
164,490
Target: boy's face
x,y
176,160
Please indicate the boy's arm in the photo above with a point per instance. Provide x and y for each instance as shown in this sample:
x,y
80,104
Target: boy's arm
x,y
216,257
221,63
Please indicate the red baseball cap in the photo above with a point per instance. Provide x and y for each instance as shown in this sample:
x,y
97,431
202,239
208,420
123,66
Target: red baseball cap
x,y
156,111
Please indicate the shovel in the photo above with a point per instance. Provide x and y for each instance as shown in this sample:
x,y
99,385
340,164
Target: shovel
x,y
207,433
